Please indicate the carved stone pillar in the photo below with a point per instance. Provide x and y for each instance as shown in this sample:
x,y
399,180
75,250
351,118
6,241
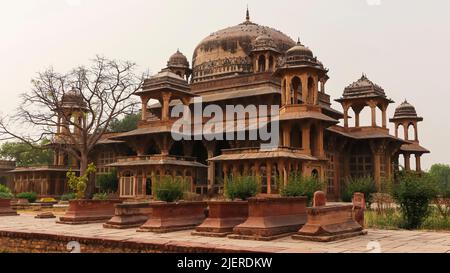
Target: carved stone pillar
x,y
407,162
306,131
144,109
166,105
418,163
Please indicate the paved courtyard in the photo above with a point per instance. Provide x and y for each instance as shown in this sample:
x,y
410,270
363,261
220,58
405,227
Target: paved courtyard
x,y
386,241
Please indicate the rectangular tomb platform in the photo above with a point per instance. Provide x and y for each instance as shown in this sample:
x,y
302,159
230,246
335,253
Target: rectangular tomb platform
x,y
169,217
129,215
329,223
271,218
88,211
5,208
223,217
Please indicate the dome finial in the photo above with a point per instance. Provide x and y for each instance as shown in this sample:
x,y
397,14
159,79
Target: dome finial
x,y
247,16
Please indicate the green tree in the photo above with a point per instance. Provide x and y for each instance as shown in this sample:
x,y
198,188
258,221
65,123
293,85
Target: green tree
x,y
108,182
440,173
127,123
26,155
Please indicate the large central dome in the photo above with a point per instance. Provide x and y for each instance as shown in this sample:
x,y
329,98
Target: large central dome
x,y
227,51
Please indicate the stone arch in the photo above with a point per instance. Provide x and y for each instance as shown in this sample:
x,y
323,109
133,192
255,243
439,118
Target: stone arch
x,y
296,96
401,131
261,63
411,131
271,62
313,140
296,136
311,90
315,173
177,149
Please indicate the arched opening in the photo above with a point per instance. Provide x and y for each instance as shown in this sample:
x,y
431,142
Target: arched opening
x,y
296,97
152,149
200,152
218,166
177,149
148,186
271,63
365,117
262,63
315,173
411,131
296,137
311,88
313,140
401,132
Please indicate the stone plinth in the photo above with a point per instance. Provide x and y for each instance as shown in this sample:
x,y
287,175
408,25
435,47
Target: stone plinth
x,y
168,217
359,207
45,215
329,223
270,218
223,217
129,215
88,211
5,208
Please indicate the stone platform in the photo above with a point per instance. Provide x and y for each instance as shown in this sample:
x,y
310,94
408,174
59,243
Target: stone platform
x,y
26,234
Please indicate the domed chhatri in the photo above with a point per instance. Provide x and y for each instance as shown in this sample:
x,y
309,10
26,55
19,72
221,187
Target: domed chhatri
x,y
73,99
299,50
264,43
406,111
178,60
228,50
179,64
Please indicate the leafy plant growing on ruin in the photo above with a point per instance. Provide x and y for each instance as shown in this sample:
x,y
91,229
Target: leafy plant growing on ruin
x,y
78,184
241,187
170,189
300,185
30,196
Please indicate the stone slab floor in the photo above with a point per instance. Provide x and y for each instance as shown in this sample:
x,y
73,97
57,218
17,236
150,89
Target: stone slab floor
x,y
386,241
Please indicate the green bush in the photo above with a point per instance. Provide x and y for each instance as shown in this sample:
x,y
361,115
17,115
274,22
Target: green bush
x,y
30,196
414,195
170,189
6,195
364,185
108,182
299,185
100,196
241,187
4,189
68,197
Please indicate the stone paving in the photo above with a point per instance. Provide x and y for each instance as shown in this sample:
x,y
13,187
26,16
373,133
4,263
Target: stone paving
x,y
386,241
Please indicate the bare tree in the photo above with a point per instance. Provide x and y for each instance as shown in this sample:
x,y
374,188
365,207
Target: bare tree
x,y
74,109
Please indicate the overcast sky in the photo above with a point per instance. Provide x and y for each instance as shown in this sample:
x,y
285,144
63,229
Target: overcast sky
x,y
402,45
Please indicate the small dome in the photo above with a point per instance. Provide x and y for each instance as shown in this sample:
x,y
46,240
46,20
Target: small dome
x,y
178,60
405,110
264,42
299,50
73,99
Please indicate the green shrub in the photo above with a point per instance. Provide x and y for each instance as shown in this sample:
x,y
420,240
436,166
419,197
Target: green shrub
x,y
100,196
170,189
78,184
30,196
414,195
241,187
364,185
6,195
299,185
108,182
68,196
4,189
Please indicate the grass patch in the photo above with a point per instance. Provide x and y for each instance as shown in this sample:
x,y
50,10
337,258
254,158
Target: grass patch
x,y
392,219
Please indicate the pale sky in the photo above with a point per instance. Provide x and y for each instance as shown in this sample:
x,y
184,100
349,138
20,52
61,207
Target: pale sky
x,y
402,45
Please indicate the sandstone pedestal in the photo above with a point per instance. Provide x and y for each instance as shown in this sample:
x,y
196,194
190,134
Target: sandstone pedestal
x,y
5,208
45,215
359,207
129,215
168,217
88,211
329,223
223,217
271,218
